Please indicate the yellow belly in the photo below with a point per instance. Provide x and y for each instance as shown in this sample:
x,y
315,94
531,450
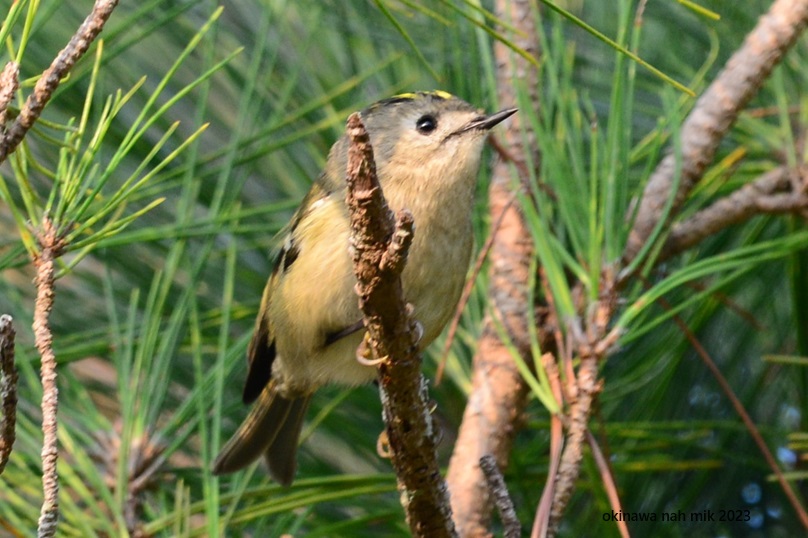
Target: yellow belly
x,y
316,297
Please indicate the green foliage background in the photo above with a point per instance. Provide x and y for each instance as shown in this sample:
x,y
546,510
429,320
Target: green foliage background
x,y
151,325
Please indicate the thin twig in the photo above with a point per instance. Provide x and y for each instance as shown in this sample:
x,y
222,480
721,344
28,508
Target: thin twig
x,y
379,252
52,76
9,82
50,243
714,113
607,477
586,387
542,519
51,246
8,390
591,340
502,499
730,304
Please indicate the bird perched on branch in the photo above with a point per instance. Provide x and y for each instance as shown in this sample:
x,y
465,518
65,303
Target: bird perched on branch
x,y
427,148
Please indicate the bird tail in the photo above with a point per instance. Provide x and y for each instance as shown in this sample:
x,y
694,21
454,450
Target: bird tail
x,y
272,428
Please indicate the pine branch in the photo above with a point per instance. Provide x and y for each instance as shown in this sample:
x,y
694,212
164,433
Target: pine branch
x,y
51,247
9,83
713,115
53,75
502,499
779,191
380,251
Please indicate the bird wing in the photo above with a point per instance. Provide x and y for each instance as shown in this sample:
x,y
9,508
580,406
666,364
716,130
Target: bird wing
x,y
262,350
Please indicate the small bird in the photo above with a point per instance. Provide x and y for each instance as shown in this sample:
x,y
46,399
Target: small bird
x,y
427,148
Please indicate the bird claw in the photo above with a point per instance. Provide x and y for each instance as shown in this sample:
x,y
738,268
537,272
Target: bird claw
x,y
364,354
383,446
417,326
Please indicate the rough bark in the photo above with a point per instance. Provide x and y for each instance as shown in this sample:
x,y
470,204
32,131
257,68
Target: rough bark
x,y
380,251
8,390
50,248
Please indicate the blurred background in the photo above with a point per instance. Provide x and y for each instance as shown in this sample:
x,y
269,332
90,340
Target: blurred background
x,y
151,325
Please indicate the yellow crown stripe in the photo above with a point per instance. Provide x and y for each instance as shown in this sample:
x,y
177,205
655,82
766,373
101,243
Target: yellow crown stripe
x,y
442,94
415,95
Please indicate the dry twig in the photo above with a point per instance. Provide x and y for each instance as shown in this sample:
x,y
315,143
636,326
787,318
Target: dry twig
x,y
542,519
50,240
586,387
51,247
502,500
607,477
591,343
9,82
8,390
379,252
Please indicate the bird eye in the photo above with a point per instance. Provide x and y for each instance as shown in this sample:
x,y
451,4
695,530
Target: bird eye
x,y
426,124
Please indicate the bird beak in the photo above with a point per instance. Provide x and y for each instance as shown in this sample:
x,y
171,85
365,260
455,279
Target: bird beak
x,y
485,123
